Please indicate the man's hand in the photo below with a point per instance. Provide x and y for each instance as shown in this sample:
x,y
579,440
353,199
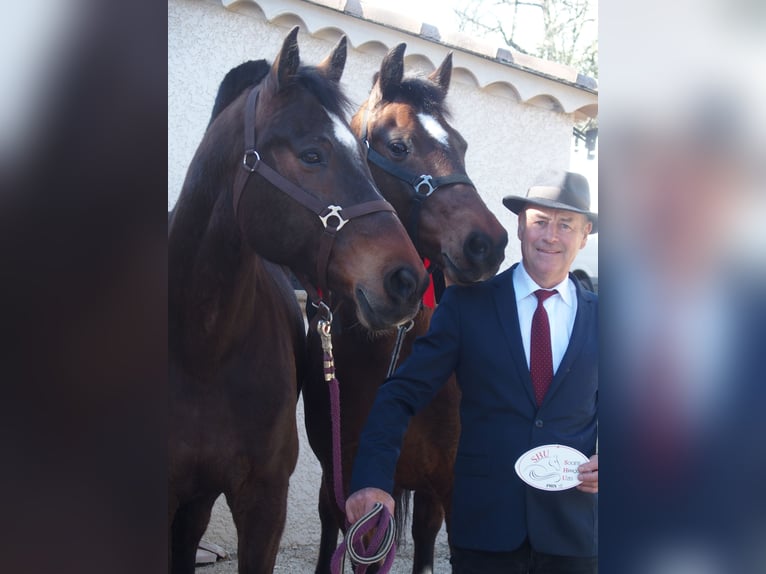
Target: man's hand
x,y
362,501
589,475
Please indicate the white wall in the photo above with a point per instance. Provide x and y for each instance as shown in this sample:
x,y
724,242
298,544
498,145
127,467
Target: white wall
x,y
509,143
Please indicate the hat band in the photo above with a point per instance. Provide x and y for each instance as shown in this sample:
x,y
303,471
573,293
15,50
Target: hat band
x,y
556,194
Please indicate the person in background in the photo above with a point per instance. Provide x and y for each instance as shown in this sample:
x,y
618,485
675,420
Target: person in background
x,y
685,333
524,347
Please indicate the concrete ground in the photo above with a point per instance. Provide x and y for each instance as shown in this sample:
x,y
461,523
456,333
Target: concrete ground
x,y
301,560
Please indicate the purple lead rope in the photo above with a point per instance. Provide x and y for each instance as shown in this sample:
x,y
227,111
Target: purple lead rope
x,y
381,546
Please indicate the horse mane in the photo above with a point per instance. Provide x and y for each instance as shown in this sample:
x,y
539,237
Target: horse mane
x,y
236,81
421,93
251,73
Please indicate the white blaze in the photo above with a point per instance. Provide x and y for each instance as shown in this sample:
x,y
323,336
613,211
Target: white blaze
x,y
344,135
434,128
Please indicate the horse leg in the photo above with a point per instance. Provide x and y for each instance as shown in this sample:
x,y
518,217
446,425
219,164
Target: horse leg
x,y
259,512
330,528
189,523
427,517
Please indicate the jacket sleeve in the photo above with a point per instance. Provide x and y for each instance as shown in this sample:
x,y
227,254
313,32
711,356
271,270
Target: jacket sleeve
x,y
433,359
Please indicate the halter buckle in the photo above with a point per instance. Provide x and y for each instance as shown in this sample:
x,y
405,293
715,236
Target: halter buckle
x,y
324,312
333,211
425,180
251,153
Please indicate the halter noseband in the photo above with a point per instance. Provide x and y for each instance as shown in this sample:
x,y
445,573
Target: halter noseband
x,y
422,185
333,217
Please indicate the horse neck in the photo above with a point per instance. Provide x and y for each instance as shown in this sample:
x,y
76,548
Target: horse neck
x,y
213,276
389,185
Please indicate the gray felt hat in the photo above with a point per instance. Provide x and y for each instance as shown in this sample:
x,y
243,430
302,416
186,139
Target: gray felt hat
x,y
558,190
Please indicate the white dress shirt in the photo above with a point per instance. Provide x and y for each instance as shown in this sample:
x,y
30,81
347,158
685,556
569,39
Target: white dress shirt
x,y
561,309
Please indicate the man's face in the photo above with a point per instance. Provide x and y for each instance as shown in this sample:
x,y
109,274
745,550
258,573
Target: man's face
x,y
550,240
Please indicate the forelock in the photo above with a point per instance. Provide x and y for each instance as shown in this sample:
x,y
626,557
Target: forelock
x,y
328,93
422,94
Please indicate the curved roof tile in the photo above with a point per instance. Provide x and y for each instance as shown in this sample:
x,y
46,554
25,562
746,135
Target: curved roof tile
x,y
562,88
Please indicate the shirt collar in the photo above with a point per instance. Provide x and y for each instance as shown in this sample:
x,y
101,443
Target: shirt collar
x,y
525,286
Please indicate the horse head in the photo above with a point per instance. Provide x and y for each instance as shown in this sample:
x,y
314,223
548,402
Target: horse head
x,y
418,161
322,188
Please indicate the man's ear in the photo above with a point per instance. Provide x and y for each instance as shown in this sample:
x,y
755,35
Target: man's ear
x,y
522,223
588,229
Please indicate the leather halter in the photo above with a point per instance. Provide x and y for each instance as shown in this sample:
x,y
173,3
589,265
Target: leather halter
x,y
333,217
422,185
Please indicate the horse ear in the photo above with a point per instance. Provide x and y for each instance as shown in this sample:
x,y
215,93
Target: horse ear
x,y
288,60
332,66
392,71
442,75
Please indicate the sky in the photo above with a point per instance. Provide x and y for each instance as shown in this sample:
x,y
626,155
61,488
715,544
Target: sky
x,y
436,12
441,13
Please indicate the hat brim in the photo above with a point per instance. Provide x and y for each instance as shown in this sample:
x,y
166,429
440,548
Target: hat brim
x,y
517,204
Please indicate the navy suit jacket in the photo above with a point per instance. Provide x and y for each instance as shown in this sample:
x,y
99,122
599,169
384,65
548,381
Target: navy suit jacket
x,y
475,333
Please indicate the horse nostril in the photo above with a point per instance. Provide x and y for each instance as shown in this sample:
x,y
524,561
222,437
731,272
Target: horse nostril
x,y
401,285
478,248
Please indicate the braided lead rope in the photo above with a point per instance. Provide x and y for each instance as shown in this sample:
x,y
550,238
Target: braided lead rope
x,y
381,546
324,328
379,519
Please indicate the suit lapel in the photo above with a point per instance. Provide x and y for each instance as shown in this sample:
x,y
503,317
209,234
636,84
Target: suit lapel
x,y
580,329
505,302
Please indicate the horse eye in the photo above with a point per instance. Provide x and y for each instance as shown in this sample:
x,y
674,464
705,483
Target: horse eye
x,y
398,148
311,157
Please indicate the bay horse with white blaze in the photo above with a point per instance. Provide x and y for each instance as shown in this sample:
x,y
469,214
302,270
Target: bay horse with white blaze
x,y
418,161
277,173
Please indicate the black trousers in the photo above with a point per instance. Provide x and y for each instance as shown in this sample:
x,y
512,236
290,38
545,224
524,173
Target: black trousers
x,y
523,560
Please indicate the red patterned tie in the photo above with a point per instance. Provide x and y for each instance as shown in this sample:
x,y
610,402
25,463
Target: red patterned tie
x,y
540,356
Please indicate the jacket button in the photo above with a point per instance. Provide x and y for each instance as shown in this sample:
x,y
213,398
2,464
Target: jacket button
x,y
539,423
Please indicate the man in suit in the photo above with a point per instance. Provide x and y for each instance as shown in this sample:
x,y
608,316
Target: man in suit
x,y
485,334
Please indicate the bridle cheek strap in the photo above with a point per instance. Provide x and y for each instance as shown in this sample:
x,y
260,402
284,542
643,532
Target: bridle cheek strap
x,y
332,217
422,185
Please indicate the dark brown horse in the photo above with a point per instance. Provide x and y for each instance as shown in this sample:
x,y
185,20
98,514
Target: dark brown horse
x,y
236,335
417,159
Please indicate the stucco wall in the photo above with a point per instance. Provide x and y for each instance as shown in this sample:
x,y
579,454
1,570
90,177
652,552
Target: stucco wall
x,y
509,143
